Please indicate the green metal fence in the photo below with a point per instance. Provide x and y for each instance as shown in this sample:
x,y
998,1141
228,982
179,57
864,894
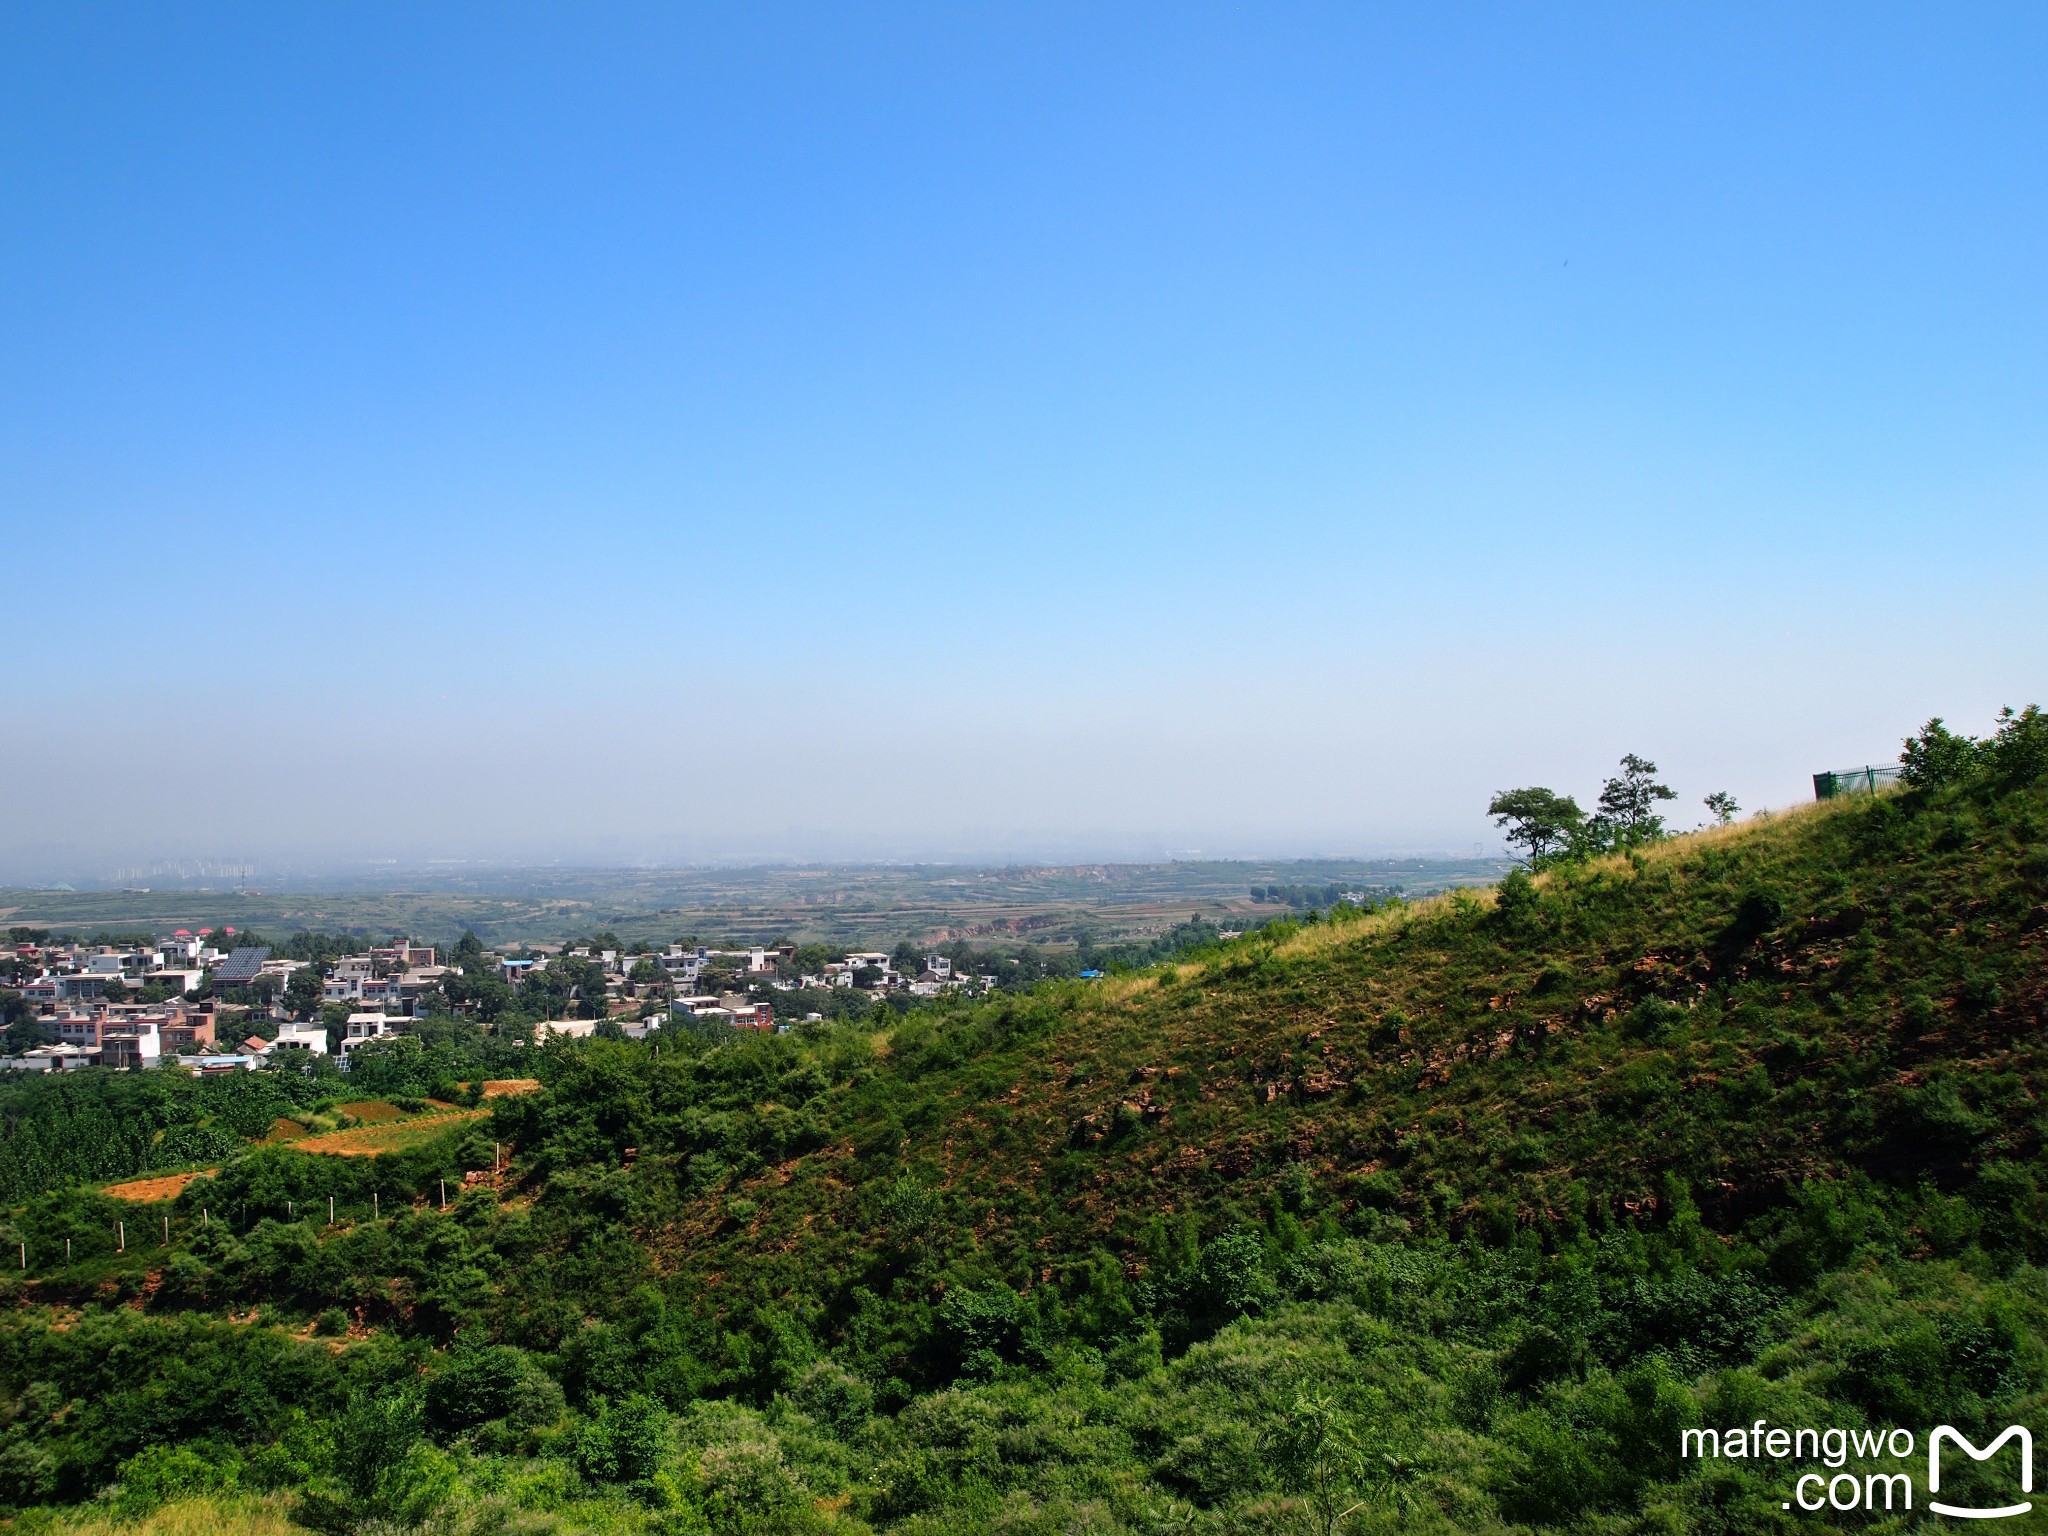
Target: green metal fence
x,y
1853,781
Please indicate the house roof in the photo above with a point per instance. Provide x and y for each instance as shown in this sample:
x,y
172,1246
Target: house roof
x,y
240,968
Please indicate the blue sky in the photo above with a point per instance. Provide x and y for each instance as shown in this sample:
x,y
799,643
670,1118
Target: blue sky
x,y
661,432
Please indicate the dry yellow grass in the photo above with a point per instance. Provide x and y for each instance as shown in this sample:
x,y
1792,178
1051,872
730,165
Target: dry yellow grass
x,y
187,1517
499,1087
1332,935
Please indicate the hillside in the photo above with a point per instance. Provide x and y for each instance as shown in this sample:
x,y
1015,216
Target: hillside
x,y
1848,989
1444,1217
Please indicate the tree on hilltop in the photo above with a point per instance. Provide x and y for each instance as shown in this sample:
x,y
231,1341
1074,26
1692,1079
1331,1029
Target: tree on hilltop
x,y
2015,754
1540,822
1628,817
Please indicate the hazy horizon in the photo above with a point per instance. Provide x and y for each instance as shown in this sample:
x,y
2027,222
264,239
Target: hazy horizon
x,y
1050,433
223,877
374,875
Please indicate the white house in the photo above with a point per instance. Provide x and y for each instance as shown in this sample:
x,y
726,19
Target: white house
x,y
571,1029
50,1058
841,972
131,1043
301,1037
363,1028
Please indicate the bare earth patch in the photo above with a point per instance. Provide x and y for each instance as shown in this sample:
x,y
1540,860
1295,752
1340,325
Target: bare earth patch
x,y
168,1187
371,1110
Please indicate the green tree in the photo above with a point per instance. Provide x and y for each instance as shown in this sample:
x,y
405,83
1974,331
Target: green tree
x,y
1721,806
1628,817
1316,1451
1939,756
1540,822
2018,751
24,1031
388,1471
623,1441
304,992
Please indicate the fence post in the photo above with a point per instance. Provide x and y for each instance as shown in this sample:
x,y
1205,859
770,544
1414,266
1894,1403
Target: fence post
x,y
121,1234
167,1231
330,1210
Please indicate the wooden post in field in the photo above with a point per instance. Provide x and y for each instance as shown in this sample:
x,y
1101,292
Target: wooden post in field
x,y
290,1212
374,1212
330,1210
444,1192
24,1255
67,1250
121,1234
206,1216
167,1231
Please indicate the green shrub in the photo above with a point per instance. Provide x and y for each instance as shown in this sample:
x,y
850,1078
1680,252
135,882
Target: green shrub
x,y
622,1442
160,1474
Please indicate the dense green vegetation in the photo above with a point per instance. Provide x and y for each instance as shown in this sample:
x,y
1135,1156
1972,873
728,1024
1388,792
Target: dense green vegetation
x,y
1448,1216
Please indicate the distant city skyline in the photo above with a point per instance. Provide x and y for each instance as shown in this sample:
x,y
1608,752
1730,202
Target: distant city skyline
x,y
938,433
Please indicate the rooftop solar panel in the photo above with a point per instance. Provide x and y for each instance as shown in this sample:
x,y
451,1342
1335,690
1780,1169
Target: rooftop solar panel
x,y
240,968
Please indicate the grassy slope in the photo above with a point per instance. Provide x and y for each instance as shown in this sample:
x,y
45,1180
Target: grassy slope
x,y
1457,1067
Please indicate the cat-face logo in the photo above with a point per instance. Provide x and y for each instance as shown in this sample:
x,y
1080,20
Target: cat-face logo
x,y
1947,1432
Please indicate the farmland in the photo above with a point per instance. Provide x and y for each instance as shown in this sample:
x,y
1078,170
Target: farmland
x,y
856,905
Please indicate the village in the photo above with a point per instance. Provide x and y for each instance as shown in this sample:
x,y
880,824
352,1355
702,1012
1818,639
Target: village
x,y
203,1002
